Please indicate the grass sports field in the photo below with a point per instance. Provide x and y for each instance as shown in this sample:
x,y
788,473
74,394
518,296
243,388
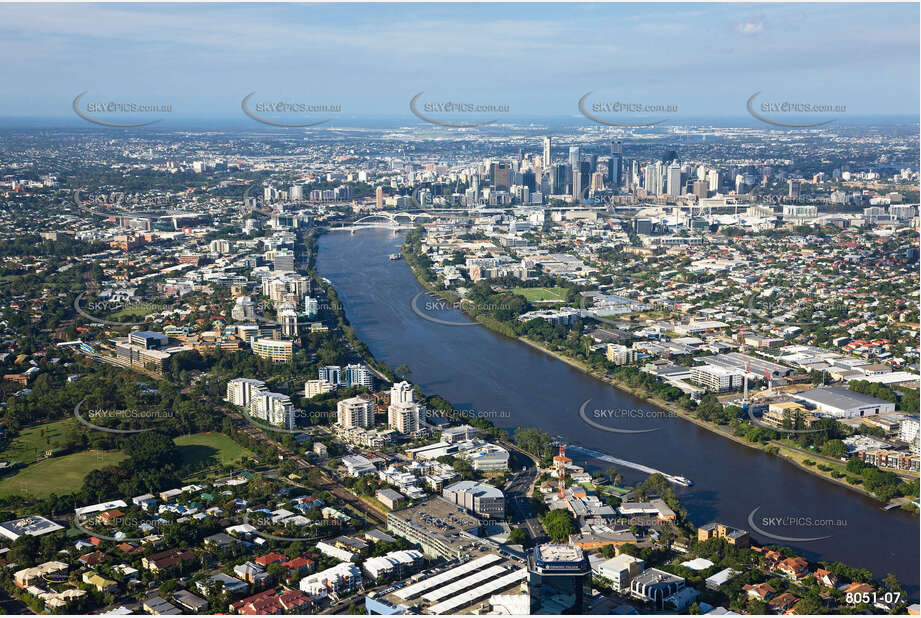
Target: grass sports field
x,y
64,474
57,475
201,446
34,441
533,294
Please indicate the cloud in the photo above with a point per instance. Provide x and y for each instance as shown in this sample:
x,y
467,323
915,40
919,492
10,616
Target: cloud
x,y
750,27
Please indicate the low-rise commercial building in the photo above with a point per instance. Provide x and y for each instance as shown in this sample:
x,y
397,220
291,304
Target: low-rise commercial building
x,y
478,498
441,529
620,570
843,403
655,586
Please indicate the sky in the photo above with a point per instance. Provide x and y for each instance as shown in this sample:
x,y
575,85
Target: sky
x,y
537,59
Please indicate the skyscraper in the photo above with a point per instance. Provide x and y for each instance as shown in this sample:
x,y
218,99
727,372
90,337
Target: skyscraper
x,y
500,172
648,182
575,154
558,179
713,177
529,180
615,165
559,579
401,392
576,185
700,188
597,182
545,160
674,179
654,178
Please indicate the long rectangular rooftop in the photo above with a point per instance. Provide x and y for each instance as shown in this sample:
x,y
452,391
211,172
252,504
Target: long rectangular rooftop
x,y
471,596
462,584
418,588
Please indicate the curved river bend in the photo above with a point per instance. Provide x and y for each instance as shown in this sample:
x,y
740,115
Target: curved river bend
x,y
515,385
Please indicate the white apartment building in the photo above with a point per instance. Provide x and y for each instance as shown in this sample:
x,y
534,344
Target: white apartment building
x,y
240,391
908,432
243,309
274,288
312,388
799,211
404,417
219,246
336,580
287,317
403,414
393,564
358,375
402,392
311,307
620,354
717,379
274,408
355,412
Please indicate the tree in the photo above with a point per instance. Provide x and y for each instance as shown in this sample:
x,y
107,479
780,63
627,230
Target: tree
x,y
517,537
463,468
891,583
150,450
834,448
559,524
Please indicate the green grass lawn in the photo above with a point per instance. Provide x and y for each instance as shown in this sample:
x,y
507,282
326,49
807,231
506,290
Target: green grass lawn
x,y
58,475
34,441
200,447
533,294
64,474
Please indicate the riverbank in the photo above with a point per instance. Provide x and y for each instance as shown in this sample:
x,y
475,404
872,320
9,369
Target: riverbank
x,y
776,448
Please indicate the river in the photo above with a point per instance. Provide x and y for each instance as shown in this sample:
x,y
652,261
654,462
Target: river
x,y
515,385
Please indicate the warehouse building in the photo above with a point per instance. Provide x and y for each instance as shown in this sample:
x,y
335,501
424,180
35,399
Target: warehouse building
x,y
843,403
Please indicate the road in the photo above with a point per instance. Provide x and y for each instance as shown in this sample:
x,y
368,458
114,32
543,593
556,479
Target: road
x,y
518,500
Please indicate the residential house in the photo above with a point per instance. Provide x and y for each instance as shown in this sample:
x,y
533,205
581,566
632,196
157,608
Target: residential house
x,y
167,559
762,592
99,582
826,578
191,602
782,602
793,568
253,573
